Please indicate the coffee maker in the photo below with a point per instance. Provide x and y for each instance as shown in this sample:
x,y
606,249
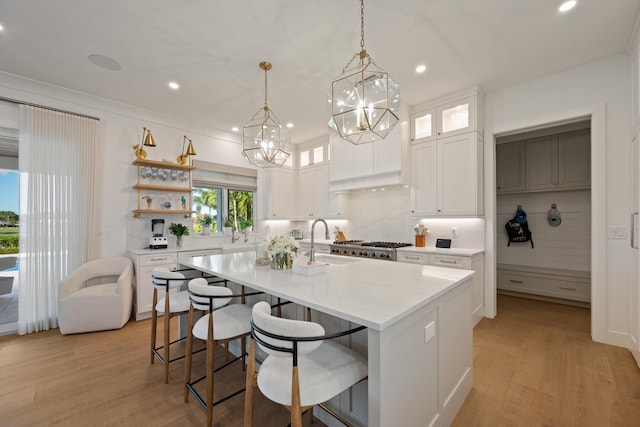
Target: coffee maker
x,y
157,240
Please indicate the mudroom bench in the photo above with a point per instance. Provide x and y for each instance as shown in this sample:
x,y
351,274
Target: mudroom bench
x,y
545,283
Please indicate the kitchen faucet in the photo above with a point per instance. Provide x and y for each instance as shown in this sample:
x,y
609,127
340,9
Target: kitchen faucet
x,y
233,236
312,251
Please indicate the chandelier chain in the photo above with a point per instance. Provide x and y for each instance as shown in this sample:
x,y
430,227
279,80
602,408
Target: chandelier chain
x,y
362,25
265,89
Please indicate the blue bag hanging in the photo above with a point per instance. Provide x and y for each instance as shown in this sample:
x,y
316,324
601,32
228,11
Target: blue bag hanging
x,y
521,216
518,229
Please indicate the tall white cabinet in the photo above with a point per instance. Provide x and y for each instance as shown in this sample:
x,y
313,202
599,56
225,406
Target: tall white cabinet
x,y
447,158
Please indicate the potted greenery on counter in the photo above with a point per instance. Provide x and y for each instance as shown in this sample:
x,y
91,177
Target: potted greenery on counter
x,y
178,230
205,221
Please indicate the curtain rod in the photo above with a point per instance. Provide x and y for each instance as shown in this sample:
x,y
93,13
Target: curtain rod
x,y
15,101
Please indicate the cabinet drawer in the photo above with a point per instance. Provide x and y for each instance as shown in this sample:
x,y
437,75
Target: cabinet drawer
x,y
572,288
451,261
413,257
153,259
187,255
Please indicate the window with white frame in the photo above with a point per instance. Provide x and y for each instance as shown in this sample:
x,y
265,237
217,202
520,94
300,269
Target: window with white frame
x,y
223,196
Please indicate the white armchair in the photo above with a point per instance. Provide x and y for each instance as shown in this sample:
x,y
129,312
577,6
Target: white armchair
x,y
84,307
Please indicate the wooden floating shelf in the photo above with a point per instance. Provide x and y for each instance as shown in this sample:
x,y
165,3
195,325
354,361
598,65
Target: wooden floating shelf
x,y
138,212
162,188
162,165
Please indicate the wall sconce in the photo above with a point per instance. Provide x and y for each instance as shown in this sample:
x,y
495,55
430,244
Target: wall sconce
x,y
147,141
182,158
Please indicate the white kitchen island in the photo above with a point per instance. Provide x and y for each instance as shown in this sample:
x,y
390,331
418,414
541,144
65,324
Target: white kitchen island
x,y
419,336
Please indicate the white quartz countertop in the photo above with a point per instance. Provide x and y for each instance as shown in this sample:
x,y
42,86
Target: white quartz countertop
x,y
441,251
372,293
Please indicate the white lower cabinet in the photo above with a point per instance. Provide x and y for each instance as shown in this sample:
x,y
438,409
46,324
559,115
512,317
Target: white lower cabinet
x,y
548,282
446,176
144,265
188,255
473,262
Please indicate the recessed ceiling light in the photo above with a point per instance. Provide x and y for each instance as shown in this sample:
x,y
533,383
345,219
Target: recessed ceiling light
x,y
1,27
421,68
568,5
289,125
235,129
174,85
105,62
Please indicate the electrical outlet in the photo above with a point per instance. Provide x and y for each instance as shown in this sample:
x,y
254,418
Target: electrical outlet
x,y
617,232
429,331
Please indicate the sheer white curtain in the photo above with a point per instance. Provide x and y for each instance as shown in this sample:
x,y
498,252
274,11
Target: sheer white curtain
x,y
58,212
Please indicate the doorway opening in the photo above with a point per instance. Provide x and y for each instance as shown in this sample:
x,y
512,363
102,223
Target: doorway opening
x,y
9,232
546,174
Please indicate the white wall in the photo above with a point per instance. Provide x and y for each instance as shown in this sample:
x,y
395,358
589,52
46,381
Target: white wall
x,y
600,90
386,216
121,128
566,246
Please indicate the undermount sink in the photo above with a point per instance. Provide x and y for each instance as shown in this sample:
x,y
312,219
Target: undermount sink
x,y
333,259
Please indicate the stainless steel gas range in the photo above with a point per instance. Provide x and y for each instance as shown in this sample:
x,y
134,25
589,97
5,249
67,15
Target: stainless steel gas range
x,y
374,250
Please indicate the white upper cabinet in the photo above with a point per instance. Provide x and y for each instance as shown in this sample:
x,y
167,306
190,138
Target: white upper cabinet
x,y
446,176
510,167
541,162
370,165
423,179
279,193
574,159
456,117
460,179
446,156
452,115
558,161
313,183
423,125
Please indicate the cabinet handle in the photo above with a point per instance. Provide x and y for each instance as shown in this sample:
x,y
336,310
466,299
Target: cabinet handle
x,y
446,261
416,258
566,288
634,244
159,259
516,281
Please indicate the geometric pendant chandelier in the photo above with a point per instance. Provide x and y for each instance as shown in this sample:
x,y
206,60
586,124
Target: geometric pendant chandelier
x,y
265,143
364,99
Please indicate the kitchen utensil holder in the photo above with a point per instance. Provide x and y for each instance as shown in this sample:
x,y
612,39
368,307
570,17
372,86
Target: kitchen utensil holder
x,y
420,240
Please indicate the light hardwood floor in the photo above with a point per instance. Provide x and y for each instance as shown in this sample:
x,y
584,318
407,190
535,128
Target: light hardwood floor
x,y
534,365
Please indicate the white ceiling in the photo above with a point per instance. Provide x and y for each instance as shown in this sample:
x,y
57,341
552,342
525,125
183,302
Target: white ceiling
x,y
212,48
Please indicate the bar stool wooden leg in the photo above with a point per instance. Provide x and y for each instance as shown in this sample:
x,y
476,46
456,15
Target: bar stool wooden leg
x,y
250,385
296,410
154,324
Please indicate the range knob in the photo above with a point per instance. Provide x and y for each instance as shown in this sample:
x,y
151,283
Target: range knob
x,y
353,252
346,252
373,254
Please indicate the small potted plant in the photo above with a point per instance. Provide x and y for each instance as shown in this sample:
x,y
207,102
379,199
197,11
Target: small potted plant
x,y
245,225
178,230
148,199
205,221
